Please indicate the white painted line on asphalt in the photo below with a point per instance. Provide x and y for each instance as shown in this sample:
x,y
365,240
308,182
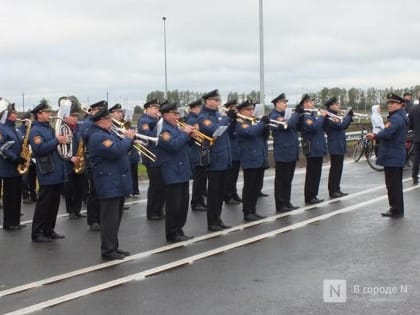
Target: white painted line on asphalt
x,y
188,260
162,249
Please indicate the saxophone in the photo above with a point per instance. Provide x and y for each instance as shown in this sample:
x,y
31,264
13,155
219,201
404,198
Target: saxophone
x,y
26,152
79,167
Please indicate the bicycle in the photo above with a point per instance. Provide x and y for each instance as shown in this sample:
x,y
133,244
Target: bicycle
x,y
366,147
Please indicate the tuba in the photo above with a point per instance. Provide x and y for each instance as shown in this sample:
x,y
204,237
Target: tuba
x,y
26,152
65,150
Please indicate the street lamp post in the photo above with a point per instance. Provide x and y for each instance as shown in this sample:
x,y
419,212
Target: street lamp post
x,y
261,33
164,49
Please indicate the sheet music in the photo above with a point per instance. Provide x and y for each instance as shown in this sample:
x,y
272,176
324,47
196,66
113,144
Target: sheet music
x,y
5,146
219,131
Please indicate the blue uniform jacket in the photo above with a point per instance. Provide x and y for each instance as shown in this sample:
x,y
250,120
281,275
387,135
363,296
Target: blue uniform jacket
x,y
173,152
336,134
44,143
8,163
109,163
252,144
133,156
234,144
220,153
192,119
146,125
84,129
313,131
392,138
285,141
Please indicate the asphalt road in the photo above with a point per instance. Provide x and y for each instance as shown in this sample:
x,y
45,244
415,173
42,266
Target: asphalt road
x,y
280,265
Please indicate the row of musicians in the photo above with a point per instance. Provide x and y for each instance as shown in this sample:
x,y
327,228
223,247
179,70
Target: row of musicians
x,y
172,166
173,163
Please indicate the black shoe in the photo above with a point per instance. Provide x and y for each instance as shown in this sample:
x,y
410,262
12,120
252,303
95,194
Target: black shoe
x,y
223,225
27,201
251,217
55,236
126,207
41,239
292,207
123,252
284,209
11,227
314,201
261,194
112,256
95,227
342,193
80,215
392,214
232,201
215,228
259,216
236,198
178,238
335,194
155,218
198,208
415,180
73,216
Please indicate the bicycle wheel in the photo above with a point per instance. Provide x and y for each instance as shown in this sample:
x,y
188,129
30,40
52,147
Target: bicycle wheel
x,y
371,157
410,155
358,150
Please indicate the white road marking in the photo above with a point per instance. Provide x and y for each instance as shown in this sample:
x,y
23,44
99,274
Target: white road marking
x,y
188,260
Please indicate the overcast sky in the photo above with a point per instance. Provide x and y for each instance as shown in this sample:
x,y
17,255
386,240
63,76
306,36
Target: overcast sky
x,y
50,48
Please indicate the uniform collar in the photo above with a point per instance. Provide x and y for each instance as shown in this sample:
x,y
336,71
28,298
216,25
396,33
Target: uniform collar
x,y
10,123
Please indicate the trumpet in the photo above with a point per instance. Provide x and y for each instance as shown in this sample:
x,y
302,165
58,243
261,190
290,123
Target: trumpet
x,y
120,124
277,123
252,119
197,135
357,115
140,142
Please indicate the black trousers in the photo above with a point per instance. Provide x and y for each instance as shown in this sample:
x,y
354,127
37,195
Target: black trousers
x,y
29,183
46,209
336,170
312,177
73,193
93,209
253,181
232,178
199,185
134,179
416,161
176,205
215,194
393,182
155,192
283,183
12,197
111,213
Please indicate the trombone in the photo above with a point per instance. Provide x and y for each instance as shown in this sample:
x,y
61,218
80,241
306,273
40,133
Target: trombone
x,y
140,141
197,135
